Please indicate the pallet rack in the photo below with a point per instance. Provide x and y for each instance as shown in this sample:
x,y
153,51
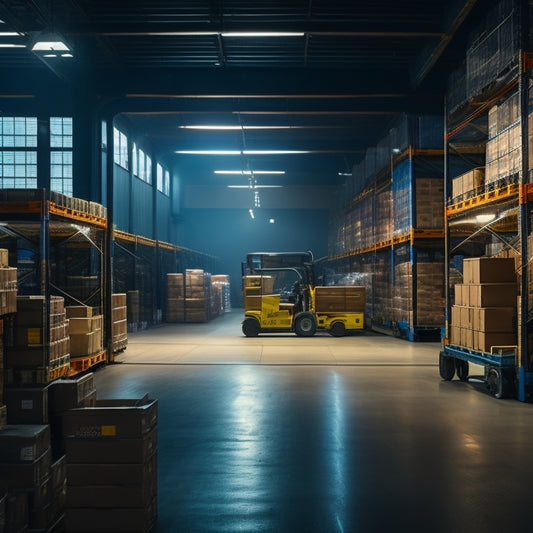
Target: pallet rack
x,y
495,219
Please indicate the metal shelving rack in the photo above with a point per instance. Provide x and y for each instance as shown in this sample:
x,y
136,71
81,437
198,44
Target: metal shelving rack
x,y
55,240
508,202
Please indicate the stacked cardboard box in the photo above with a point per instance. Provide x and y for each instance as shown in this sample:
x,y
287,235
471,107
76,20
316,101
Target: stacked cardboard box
x,y
111,466
469,184
222,281
120,322
340,298
85,330
134,310
484,314
175,307
430,300
34,352
36,482
254,287
197,295
8,285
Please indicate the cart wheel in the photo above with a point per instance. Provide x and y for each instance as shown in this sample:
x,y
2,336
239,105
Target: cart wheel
x,y
250,327
462,367
305,324
446,367
500,383
337,329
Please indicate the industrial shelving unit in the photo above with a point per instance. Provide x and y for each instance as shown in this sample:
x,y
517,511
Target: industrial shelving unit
x,y
493,219
57,244
403,242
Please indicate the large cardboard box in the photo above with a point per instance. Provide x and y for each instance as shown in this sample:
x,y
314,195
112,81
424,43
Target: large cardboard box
x,y
489,270
345,298
23,442
27,475
485,340
71,393
122,418
79,311
495,319
27,405
493,295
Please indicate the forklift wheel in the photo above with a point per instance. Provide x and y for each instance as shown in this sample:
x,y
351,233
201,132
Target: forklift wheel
x,y
462,368
337,329
305,324
250,327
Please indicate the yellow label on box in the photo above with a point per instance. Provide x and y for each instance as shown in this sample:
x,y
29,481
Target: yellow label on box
x,y
109,431
34,335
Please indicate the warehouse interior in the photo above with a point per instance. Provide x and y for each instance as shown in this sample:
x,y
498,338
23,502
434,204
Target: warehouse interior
x,y
166,167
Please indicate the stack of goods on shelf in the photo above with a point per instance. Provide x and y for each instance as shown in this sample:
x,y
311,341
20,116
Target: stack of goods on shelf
x,y
469,184
221,281
504,146
85,330
485,310
111,453
197,295
133,308
36,482
430,298
253,288
33,354
119,315
175,305
340,299
417,200
383,230
8,285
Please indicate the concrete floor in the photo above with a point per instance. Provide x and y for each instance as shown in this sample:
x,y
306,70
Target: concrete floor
x,y
323,434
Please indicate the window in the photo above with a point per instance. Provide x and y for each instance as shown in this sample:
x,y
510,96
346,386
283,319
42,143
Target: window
x,y
61,173
166,183
120,155
163,180
148,169
18,165
159,177
135,160
142,160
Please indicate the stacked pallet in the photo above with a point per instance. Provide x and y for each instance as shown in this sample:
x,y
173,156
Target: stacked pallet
x,y
175,306
33,352
111,454
197,295
469,184
222,282
485,310
430,299
504,146
119,328
8,285
85,330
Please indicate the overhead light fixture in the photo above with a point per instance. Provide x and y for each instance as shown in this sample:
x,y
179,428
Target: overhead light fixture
x,y
10,45
251,211
241,152
272,221
213,127
9,34
249,172
51,44
484,219
262,34
255,186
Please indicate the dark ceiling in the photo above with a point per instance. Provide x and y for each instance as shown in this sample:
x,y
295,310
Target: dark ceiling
x,y
331,91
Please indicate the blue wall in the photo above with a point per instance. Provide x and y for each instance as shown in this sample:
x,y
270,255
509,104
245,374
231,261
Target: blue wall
x,y
229,234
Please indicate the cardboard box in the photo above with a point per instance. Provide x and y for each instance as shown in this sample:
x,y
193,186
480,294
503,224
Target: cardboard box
x,y
467,338
111,450
488,270
132,474
112,419
23,442
466,319
82,344
65,394
493,295
79,311
495,319
27,475
455,335
85,324
27,405
485,340
462,294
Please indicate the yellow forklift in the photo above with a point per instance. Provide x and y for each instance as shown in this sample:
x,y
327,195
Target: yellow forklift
x,y
280,295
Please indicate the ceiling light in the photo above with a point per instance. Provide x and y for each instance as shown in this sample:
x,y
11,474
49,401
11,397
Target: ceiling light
x,y
272,221
241,152
214,127
251,211
12,45
9,34
250,172
50,42
263,34
255,186
483,219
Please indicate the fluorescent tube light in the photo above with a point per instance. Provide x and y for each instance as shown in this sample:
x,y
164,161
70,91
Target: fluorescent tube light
x,y
249,172
241,152
50,42
255,186
251,211
12,45
9,34
483,219
262,34
213,127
